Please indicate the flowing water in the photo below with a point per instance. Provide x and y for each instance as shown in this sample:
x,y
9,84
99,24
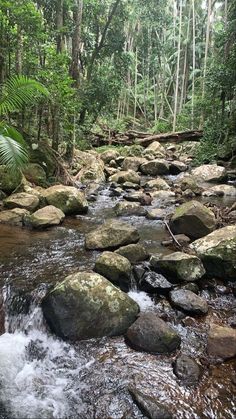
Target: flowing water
x,y
44,377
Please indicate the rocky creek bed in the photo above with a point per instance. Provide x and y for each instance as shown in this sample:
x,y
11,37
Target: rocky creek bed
x,y
178,358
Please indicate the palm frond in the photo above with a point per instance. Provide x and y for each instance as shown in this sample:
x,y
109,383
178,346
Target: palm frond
x,y
19,91
12,153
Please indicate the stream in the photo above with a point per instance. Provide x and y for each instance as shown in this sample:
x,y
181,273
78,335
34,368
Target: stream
x,y
42,377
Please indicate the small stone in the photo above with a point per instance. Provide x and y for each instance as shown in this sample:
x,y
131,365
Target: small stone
x,y
187,370
221,342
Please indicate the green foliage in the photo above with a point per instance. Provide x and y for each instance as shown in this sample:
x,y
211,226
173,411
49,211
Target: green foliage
x,y
161,126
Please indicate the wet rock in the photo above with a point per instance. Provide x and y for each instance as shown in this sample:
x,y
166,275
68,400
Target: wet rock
x,y
193,219
158,184
125,176
116,268
133,163
221,342
153,282
48,216
189,183
133,252
22,200
67,198
155,167
109,155
129,208
220,190
188,301
13,217
179,266
191,286
187,370
177,167
86,305
146,199
188,194
35,174
209,173
151,334
134,196
130,185
218,252
111,235
156,214
182,239
149,406
9,180
164,195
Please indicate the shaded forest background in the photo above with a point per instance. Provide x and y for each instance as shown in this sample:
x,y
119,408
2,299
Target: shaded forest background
x,y
150,65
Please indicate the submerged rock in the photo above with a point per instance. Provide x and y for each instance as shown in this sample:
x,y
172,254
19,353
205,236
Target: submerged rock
x,y
188,301
67,198
187,370
221,342
209,172
133,252
149,406
86,305
45,217
218,252
193,219
179,266
151,334
22,200
111,235
116,268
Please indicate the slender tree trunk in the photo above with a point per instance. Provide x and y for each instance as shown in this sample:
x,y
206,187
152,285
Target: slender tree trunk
x,y
59,26
19,50
135,85
194,61
178,67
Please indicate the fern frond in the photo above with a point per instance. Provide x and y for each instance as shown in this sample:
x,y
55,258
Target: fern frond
x,y
12,153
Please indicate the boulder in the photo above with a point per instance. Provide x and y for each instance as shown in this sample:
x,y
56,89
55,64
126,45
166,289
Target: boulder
x,y
189,183
218,252
177,167
179,266
188,301
13,217
193,219
187,370
67,198
132,163
133,252
151,334
116,268
153,282
35,174
129,208
45,217
157,184
92,172
9,179
220,190
163,195
156,214
155,148
109,155
209,173
86,305
125,176
111,235
221,342
149,406
155,167
22,200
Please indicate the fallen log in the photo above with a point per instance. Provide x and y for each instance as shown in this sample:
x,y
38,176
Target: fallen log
x,y
170,137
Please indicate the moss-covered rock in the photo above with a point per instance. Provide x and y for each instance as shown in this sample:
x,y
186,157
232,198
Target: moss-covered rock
x,y
111,235
86,305
133,252
22,200
157,184
13,217
67,198
129,208
45,217
116,268
193,219
218,252
9,180
125,176
35,174
132,163
155,167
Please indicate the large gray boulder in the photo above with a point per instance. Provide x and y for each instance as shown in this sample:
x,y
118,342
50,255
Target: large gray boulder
x,y
86,305
193,219
155,167
22,200
151,334
179,266
188,301
67,198
209,173
111,235
116,268
48,216
109,155
218,252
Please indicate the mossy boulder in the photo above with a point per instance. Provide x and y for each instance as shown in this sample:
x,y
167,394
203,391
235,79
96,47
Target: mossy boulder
x,y
218,252
45,217
86,305
155,167
193,219
179,266
129,208
67,198
125,176
35,174
132,163
209,173
157,184
22,200
116,268
13,217
133,252
9,180
111,235
109,155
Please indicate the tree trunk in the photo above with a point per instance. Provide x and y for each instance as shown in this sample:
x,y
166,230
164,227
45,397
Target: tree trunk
x,y
178,67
